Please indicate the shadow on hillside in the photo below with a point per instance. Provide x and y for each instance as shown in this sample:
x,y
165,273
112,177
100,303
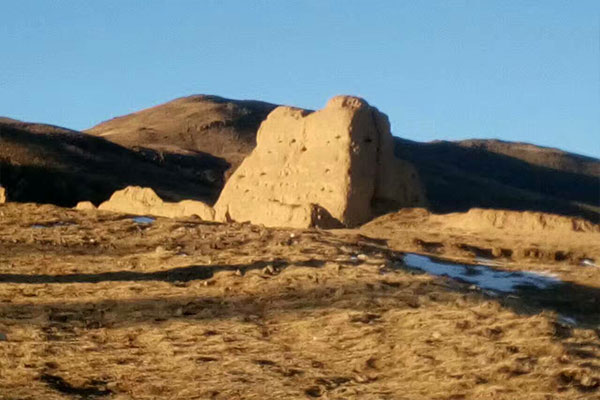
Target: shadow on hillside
x,y
65,168
67,187
458,178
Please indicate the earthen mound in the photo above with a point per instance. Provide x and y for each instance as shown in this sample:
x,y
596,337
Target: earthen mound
x,y
85,205
339,159
144,201
483,220
514,221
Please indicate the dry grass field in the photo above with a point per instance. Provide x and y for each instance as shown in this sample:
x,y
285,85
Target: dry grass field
x,y
96,305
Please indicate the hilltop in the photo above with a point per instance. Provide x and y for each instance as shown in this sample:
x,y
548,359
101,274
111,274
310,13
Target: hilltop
x,y
222,127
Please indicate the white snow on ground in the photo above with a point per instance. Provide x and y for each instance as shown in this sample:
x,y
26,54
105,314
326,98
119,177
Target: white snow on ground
x,y
588,262
143,220
482,276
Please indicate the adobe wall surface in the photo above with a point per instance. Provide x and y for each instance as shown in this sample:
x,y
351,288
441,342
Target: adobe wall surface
x,y
338,161
144,201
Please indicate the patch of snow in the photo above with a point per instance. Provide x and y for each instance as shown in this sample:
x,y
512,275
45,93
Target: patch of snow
x,y
567,320
143,220
487,261
482,276
588,262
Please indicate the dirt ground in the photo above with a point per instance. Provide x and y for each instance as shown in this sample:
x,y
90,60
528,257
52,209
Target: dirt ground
x,y
96,305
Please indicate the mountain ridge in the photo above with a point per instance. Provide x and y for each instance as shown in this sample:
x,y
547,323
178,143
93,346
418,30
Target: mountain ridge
x,y
209,136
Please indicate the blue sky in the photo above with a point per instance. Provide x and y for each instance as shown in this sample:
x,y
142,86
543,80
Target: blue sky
x,y
515,70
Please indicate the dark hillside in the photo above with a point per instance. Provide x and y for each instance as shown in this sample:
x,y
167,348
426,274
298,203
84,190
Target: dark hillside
x,y
458,177
48,164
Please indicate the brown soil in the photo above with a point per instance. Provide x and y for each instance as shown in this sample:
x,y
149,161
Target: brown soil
x,y
94,305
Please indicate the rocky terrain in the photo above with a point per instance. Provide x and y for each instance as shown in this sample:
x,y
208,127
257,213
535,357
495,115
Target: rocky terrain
x,y
183,256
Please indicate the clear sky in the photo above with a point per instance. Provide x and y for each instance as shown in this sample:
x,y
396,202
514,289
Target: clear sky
x,y
524,70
